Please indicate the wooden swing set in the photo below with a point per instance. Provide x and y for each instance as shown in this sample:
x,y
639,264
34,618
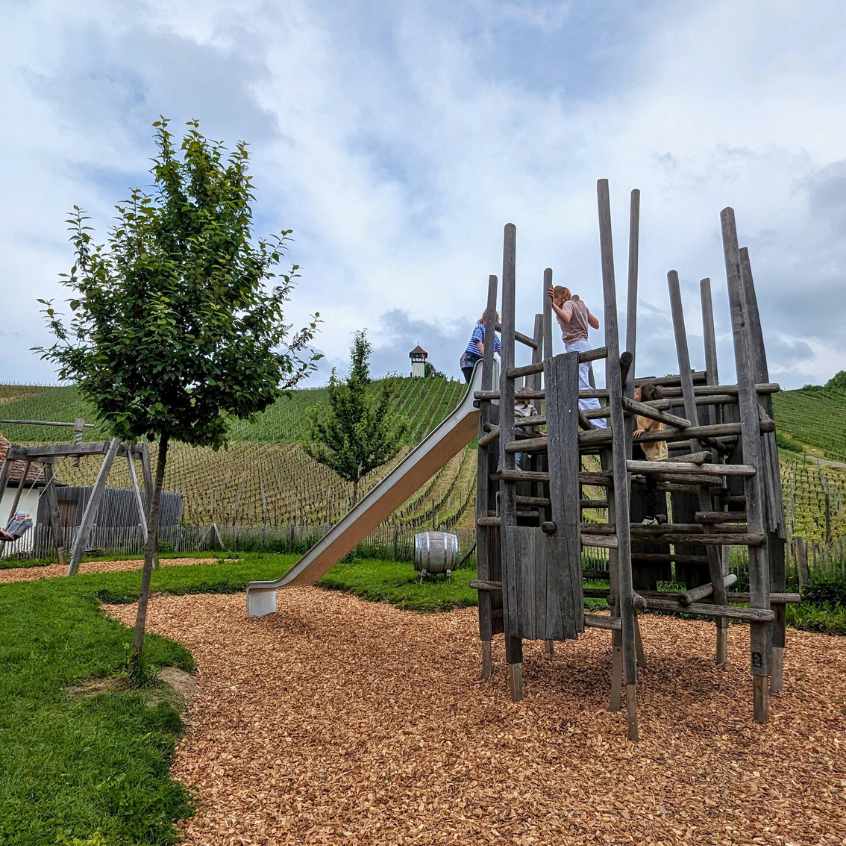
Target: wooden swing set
x,y
45,456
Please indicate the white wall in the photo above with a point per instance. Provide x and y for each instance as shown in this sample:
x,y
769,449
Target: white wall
x,y
28,505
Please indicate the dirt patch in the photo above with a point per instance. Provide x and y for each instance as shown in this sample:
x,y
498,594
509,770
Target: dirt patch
x,y
338,720
33,574
175,686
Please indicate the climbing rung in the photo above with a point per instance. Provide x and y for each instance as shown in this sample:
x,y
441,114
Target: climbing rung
x,y
600,541
537,366
719,516
594,503
597,621
666,467
596,479
488,521
486,584
533,500
527,445
522,394
646,410
519,336
533,420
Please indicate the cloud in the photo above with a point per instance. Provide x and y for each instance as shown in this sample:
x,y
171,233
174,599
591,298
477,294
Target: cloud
x,y
398,139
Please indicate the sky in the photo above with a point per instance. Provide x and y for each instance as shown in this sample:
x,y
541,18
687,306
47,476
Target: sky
x,y
396,140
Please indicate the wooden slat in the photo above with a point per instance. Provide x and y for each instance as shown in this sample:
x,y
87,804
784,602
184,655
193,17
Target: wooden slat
x,y
507,493
701,591
759,577
561,377
92,507
518,336
667,467
646,410
486,585
750,615
597,621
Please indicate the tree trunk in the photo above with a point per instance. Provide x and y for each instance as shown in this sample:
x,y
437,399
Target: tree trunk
x,y
355,492
151,551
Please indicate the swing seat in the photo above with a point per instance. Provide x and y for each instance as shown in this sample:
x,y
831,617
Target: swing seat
x,y
17,527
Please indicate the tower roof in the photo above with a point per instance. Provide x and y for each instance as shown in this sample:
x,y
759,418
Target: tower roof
x,y
418,351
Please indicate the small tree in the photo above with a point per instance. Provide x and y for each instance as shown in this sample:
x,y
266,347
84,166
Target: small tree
x,y
175,322
355,434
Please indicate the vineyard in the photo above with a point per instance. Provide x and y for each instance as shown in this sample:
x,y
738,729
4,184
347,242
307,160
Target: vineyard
x,y
265,477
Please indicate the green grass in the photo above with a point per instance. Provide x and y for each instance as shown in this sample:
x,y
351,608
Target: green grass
x,y
94,771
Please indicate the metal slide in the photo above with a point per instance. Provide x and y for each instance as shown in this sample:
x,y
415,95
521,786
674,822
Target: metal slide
x,y
441,444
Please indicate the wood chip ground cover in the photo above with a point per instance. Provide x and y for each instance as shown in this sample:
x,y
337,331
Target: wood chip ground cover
x,y
344,721
34,574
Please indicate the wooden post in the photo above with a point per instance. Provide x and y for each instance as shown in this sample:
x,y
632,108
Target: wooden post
x,y
507,489
774,505
147,472
486,546
53,510
613,384
133,477
548,350
92,507
17,498
759,577
691,412
631,348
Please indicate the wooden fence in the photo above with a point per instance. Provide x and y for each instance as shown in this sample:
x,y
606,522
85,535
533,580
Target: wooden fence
x,y
806,561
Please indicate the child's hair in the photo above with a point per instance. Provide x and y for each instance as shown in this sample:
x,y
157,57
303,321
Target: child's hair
x,y
559,292
648,392
484,315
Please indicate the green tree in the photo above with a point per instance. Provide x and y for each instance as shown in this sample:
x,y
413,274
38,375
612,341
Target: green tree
x,y
177,320
355,434
837,381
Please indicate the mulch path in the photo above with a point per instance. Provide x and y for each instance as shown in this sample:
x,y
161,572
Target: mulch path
x,y
33,574
339,721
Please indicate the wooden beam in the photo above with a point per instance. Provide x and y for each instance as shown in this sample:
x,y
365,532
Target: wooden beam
x,y
142,511
646,410
759,577
666,467
700,592
92,507
487,556
507,492
614,386
749,615
53,512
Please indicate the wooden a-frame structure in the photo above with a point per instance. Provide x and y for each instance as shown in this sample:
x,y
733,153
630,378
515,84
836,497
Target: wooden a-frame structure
x,y
48,454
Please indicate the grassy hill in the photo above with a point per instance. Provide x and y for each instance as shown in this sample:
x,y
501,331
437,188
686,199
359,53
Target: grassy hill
x,y
266,478
422,403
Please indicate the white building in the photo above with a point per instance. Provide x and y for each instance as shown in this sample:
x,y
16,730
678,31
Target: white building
x,y
418,358
30,489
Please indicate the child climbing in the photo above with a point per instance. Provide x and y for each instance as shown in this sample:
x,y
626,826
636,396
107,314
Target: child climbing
x,y
476,347
654,502
575,319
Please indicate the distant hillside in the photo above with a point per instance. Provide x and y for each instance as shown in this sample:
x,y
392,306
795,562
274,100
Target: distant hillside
x,y
813,420
266,478
422,403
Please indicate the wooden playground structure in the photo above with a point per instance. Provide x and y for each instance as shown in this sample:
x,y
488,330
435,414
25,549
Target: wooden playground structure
x,y
721,478
46,456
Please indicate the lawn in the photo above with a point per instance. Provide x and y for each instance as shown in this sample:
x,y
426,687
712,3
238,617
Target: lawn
x,y
94,771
